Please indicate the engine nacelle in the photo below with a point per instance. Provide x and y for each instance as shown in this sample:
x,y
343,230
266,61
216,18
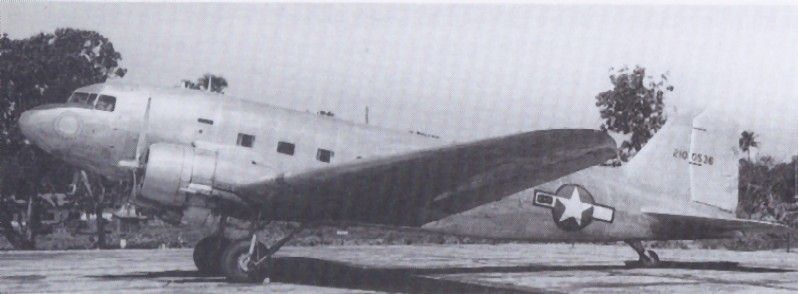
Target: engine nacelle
x,y
175,171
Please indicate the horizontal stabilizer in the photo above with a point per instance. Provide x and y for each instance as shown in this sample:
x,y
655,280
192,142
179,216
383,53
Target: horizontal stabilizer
x,y
690,226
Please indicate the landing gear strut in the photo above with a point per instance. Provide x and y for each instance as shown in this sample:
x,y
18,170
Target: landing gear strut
x,y
238,261
249,261
647,258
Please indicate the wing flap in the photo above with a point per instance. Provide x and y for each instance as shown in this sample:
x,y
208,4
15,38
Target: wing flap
x,y
418,187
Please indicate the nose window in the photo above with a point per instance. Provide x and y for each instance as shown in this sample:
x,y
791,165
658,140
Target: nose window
x,y
106,103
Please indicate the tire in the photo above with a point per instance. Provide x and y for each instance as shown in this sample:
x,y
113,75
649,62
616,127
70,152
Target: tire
x,y
235,266
208,255
653,255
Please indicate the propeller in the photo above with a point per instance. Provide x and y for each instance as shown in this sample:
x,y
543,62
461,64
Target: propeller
x,y
136,165
84,179
145,125
141,144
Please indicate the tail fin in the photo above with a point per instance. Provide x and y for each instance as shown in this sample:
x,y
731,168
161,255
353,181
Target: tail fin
x,y
693,158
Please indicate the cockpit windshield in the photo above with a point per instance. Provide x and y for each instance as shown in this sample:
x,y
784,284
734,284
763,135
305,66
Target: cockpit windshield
x,y
80,98
88,100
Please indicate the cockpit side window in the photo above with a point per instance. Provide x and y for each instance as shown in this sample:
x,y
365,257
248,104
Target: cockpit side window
x,y
106,103
79,97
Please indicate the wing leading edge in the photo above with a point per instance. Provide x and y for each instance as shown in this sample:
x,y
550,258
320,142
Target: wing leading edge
x,y
418,187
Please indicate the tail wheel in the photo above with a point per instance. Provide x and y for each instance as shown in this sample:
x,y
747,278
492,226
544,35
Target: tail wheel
x,y
238,265
208,254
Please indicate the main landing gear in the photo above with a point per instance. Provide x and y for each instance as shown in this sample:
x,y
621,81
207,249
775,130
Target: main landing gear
x,y
208,254
208,251
241,261
647,257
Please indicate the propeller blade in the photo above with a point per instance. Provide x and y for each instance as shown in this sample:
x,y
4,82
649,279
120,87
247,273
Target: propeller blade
x,y
73,187
141,144
145,124
84,178
134,189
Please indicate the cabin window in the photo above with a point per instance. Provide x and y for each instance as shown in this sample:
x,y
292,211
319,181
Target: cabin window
x,y
205,121
285,148
79,97
106,103
324,155
245,140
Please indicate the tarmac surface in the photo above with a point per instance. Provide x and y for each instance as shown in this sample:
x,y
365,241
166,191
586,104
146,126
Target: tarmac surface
x,y
507,268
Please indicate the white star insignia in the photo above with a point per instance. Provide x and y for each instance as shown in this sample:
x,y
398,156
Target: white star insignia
x,y
574,207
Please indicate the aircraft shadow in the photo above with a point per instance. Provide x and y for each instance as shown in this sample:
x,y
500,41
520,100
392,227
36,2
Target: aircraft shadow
x,y
190,276
317,272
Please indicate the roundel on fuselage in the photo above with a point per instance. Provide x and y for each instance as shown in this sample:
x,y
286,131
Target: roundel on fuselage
x,y
68,125
573,207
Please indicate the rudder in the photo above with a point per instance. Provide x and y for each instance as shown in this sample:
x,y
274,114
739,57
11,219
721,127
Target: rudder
x,y
692,158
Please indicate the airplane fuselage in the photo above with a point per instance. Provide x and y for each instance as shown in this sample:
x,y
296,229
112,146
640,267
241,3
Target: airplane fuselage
x,y
598,203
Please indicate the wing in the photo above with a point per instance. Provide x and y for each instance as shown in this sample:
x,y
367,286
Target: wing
x,y
689,226
417,187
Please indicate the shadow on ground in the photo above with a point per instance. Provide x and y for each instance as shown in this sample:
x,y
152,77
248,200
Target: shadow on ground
x,y
325,273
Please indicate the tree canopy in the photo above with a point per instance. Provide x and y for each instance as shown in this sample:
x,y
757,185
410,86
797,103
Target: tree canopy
x,y
748,141
218,84
633,107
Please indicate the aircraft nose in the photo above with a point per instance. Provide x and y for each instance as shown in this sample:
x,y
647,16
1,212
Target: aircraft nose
x,y
26,123
36,124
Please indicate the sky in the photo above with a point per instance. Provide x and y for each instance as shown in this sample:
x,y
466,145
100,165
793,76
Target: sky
x,y
463,72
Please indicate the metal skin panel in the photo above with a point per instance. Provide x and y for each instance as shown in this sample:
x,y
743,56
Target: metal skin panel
x,y
203,166
168,167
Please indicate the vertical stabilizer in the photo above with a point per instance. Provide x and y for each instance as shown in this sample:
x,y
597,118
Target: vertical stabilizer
x,y
658,166
692,158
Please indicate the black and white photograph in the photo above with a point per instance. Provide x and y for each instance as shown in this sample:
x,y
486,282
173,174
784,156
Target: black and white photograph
x,y
398,147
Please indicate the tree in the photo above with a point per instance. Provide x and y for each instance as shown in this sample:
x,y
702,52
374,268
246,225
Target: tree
x,y
41,69
748,141
634,107
766,190
218,84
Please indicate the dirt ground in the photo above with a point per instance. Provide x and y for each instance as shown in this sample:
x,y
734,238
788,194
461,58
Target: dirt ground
x,y
582,268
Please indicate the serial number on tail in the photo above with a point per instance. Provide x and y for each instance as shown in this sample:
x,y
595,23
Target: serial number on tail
x,y
694,158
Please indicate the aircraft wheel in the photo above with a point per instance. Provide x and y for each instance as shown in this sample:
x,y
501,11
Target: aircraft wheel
x,y
208,254
239,266
653,256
